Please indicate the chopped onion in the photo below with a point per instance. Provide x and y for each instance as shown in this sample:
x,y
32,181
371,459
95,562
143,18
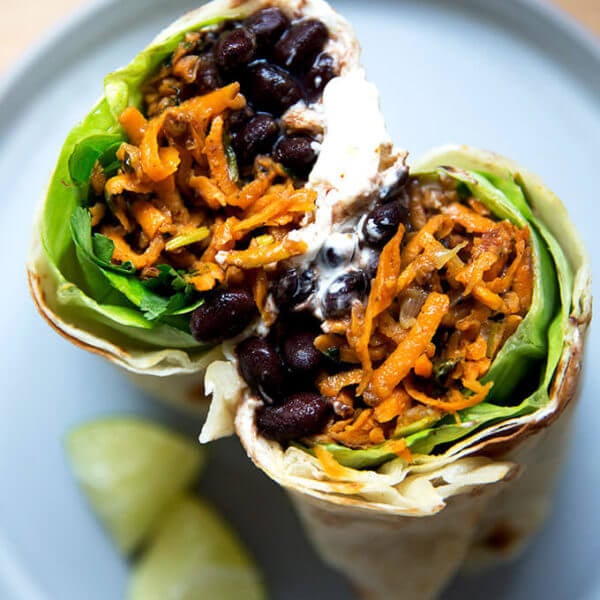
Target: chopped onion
x,y
410,307
441,257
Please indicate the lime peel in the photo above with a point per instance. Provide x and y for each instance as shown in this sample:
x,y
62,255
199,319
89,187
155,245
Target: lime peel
x,y
131,470
195,554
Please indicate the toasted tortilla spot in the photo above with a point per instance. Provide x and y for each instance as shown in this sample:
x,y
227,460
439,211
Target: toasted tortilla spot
x,y
502,538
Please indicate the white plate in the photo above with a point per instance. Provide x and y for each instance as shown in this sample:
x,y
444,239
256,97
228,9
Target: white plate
x,y
509,75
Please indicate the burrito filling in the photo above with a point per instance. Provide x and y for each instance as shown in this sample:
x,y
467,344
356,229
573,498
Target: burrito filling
x,y
191,213
401,325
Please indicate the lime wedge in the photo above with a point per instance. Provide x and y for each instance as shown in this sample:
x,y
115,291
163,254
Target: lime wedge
x,y
130,470
195,556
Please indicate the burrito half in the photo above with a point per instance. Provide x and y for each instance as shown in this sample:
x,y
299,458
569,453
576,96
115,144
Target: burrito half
x,y
176,198
421,414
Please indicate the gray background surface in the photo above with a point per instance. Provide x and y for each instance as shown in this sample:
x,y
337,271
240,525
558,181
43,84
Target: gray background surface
x,y
507,75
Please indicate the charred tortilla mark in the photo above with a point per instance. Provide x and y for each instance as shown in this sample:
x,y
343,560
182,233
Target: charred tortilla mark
x,y
503,538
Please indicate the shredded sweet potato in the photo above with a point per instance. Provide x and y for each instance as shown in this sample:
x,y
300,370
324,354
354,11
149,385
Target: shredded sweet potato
x,y
399,364
332,385
400,448
209,191
502,283
433,257
205,276
423,366
278,204
470,220
356,433
488,298
97,211
523,279
393,406
437,343
455,400
260,290
328,342
134,123
473,320
151,220
169,197
423,235
260,256
390,328
127,183
158,162
124,253
253,191
383,291
376,436
179,152
331,466
217,159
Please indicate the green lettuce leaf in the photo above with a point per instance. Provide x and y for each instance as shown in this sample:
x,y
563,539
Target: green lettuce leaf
x,y
370,458
525,350
100,148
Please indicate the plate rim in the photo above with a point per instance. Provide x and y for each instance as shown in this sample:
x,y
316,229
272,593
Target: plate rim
x,y
38,54
34,56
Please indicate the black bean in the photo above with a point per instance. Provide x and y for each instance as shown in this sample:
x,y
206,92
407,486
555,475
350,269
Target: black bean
x,y
300,44
271,88
332,257
258,135
382,223
261,368
293,288
239,118
338,298
267,25
300,354
296,153
300,415
338,250
235,48
396,190
321,73
207,76
224,314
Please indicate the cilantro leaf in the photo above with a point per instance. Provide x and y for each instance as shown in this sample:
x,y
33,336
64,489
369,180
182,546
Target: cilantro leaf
x,y
168,294
101,148
103,247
